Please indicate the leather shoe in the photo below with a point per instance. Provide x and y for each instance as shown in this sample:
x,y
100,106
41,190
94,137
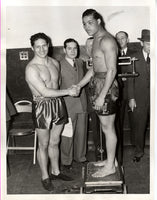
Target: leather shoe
x,y
47,184
61,177
136,159
85,162
67,166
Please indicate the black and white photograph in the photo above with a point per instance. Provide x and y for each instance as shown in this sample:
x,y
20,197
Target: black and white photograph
x,y
78,99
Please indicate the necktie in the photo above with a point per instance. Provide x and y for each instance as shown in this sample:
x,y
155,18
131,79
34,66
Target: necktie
x,y
123,53
148,59
74,65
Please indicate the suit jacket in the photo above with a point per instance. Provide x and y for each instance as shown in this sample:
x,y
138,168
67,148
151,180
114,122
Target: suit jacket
x,y
139,87
125,69
70,76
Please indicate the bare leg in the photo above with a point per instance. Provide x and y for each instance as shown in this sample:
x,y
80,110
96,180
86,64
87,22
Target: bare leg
x,y
107,123
42,152
53,149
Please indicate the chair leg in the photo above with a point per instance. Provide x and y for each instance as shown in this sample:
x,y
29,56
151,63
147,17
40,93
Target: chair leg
x,y
35,144
8,167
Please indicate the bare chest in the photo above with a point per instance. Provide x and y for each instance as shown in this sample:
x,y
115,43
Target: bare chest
x,y
98,58
49,75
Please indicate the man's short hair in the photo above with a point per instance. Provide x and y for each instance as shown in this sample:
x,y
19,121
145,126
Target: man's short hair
x,y
122,32
37,36
95,15
70,40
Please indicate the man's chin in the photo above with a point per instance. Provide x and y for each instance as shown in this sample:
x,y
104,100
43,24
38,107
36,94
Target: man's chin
x,y
90,34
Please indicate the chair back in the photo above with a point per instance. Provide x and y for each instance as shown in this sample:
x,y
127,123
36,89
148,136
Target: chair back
x,y
23,106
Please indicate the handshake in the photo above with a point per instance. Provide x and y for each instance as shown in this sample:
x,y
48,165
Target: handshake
x,y
74,90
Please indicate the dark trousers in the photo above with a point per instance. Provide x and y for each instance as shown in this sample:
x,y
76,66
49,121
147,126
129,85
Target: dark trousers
x,y
139,120
119,125
74,148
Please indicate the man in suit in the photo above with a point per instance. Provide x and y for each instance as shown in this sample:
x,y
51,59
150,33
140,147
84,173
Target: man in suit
x,y
139,95
73,147
122,38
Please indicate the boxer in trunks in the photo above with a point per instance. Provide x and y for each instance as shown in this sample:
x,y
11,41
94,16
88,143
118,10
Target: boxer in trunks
x,y
43,76
104,89
48,111
95,86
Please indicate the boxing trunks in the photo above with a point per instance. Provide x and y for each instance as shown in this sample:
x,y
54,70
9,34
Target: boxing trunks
x,y
110,101
47,110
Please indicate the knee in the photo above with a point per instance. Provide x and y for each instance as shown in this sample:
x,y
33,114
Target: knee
x,y
105,128
54,143
43,146
109,130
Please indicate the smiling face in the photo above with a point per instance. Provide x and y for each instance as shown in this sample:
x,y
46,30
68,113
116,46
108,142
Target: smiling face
x,y
71,50
91,25
40,48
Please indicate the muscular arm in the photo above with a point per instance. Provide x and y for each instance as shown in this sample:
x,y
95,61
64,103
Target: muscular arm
x,y
34,81
86,78
109,49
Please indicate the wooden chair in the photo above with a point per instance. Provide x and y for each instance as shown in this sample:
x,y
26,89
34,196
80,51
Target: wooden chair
x,y
22,126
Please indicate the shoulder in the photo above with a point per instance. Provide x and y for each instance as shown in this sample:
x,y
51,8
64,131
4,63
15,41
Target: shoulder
x,y
62,61
31,67
32,71
54,62
79,61
108,41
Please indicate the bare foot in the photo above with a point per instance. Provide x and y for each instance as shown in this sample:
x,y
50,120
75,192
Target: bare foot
x,y
103,163
104,172
100,163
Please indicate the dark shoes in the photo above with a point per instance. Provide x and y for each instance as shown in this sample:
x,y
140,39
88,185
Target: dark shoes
x,y
47,184
61,177
67,167
137,156
85,162
137,159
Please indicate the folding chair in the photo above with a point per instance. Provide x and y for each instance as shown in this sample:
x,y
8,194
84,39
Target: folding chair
x,y
22,126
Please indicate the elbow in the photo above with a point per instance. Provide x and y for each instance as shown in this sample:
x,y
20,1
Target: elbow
x,y
113,72
44,93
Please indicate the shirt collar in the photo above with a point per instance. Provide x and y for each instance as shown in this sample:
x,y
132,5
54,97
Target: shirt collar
x,y
144,54
69,61
125,50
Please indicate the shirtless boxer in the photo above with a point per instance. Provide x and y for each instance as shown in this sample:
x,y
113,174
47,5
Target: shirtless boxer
x,y
103,86
42,75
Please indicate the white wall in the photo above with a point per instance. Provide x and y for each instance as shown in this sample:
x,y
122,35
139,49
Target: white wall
x,y
63,22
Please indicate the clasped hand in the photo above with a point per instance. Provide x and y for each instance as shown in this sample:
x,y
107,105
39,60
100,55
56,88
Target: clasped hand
x,y
74,90
98,104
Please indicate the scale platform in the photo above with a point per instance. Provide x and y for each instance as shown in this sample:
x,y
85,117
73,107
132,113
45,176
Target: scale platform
x,y
113,183
128,75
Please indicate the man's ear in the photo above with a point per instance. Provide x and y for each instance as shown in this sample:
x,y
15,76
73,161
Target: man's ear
x,y
64,50
99,21
141,43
